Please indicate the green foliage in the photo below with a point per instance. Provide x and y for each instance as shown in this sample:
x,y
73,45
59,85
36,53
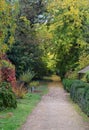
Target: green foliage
x,y
7,24
67,84
83,60
82,63
70,20
26,52
86,105
7,97
33,9
73,75
5,63
45,40
87,76
27,76
77,84
34,84
20,114
80,94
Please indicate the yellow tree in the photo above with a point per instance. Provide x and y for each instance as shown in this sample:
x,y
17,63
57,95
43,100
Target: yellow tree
x,y
7,24
70,20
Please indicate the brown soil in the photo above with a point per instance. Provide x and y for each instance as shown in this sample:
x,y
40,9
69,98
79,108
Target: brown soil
x,y
55,112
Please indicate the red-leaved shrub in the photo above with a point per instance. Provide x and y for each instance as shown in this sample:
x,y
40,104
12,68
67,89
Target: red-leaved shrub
x,y
8,71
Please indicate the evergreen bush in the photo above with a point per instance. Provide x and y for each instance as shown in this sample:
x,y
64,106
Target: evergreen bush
x,y
7,96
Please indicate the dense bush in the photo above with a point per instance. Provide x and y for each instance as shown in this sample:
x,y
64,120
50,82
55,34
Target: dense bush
x,y
26,55
67,84
20,90
86,105
7,96
79,93
27,76
76,84
87,77
7,71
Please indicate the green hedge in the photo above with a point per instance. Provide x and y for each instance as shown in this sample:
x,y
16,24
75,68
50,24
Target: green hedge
x,y
67,84
73,90
79,92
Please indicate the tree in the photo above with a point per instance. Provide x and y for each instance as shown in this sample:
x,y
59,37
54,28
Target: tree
x,y
26,53
44,37
33,10
7,24
70,19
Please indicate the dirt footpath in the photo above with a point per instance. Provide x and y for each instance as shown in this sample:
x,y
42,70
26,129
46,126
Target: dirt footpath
x,y
55,112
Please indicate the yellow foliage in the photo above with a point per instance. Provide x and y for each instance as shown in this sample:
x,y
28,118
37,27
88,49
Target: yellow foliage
x,y
7,23
83,60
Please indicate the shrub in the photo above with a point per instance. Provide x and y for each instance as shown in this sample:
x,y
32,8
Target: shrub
x,y
8,72
76,84
87,77
27,76
67,84
33,85
85,106
83,98
20,91
7,96
73,75
80,94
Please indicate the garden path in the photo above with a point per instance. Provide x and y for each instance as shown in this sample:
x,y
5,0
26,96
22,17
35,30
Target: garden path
x,y
55,112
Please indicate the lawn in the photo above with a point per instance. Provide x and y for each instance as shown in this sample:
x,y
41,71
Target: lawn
x,y
12,119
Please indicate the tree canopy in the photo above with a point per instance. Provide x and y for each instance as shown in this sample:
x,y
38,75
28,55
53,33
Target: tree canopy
x,y
8,12
69,27
51,35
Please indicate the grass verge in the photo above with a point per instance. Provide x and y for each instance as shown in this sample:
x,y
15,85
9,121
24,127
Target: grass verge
x,y
12,119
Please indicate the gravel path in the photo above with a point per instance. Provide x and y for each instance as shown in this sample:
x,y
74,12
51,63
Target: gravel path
x,y
55,112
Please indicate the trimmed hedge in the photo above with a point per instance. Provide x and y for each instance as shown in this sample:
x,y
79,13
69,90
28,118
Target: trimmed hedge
x,y
73,90
67,84
79,92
